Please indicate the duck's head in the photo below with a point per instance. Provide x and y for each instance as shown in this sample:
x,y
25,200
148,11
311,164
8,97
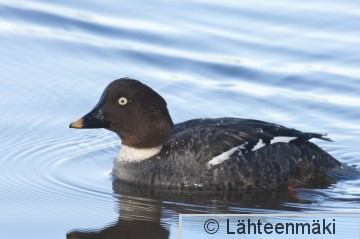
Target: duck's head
x,y
134,111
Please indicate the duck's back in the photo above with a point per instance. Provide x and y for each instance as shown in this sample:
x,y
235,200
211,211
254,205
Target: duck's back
x,y
232,154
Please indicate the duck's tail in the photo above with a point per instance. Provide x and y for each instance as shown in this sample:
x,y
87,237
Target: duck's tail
x,y
322,162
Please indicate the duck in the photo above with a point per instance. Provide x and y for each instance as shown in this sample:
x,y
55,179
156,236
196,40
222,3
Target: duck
x,y
224,154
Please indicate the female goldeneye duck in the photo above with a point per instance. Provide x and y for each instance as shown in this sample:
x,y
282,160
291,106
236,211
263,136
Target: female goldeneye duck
x,y
210,154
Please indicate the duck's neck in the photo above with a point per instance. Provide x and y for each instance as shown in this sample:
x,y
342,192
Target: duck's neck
x,y
130,154
145,133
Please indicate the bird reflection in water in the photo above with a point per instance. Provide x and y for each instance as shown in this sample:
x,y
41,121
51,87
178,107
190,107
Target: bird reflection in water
x,y
143,212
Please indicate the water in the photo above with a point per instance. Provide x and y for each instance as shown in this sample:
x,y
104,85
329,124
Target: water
x,y
293,63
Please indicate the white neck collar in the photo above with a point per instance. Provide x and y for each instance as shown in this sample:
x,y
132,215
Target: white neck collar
x,y
131,154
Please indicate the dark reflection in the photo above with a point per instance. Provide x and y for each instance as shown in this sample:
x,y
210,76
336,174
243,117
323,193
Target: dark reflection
x,y
125,229
143,212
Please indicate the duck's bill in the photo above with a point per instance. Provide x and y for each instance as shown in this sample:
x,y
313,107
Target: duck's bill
x,y
92,120
79,124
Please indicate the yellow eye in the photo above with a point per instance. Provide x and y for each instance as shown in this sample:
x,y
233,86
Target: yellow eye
x,y
122,101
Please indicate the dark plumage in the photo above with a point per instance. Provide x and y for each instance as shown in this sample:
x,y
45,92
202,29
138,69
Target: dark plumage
x,y
208,154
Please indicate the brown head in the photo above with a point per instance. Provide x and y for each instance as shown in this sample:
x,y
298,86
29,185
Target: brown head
x,y
134,111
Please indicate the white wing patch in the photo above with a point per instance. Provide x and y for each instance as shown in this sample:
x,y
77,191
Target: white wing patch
x,y
260,144
225,156
282,139
277,139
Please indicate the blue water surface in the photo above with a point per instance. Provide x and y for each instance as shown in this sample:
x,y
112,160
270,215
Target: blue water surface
x,y
295,63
